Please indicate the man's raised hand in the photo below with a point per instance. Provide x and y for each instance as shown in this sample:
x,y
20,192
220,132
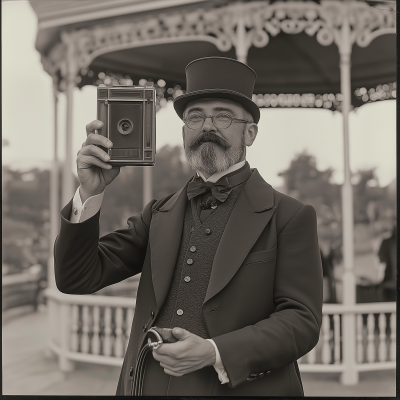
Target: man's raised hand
x,y
94,173
188,354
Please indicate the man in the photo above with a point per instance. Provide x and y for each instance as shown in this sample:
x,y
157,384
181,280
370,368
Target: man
x,y
387,255
228,262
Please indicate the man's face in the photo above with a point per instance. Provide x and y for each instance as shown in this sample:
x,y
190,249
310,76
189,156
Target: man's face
x,y
210,149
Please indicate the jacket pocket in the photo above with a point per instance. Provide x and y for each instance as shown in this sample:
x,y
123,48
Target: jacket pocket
x,y
260,256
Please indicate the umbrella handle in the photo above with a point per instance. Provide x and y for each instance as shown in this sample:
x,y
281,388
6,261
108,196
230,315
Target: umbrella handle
x,y
162,335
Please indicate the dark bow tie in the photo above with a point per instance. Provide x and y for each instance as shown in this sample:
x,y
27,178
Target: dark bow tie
x,y
220,189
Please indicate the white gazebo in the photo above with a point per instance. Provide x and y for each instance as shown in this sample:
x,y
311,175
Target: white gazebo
x,y
323,54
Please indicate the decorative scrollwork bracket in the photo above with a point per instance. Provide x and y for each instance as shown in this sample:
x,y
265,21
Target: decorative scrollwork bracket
x,y
240,25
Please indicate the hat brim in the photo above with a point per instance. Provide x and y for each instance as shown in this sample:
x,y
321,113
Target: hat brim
x,y
181,102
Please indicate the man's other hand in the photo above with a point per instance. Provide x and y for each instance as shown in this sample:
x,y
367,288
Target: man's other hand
x,y
188,354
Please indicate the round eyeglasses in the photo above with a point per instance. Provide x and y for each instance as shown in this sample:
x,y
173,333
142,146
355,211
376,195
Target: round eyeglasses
x,y
220,121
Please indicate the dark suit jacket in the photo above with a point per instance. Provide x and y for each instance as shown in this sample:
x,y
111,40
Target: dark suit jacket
x,y
263,306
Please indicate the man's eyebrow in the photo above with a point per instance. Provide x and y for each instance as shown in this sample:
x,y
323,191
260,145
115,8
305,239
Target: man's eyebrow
x,y
218,109
224,109
194,109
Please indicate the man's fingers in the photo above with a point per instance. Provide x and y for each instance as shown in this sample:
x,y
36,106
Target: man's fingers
x,y
92,126
181,333
94,138
86,161
161,357
174,350
92,150
178,371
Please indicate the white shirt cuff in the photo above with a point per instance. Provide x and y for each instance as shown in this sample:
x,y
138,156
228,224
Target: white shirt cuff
x,y
218,366
82,212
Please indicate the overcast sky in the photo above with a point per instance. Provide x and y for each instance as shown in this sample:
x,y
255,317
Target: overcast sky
x,y
28,118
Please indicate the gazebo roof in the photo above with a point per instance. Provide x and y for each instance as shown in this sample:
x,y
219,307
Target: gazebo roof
x,y
291,60
54,16
286,65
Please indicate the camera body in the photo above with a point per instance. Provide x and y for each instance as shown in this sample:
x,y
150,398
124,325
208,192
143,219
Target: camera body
x,y
129,117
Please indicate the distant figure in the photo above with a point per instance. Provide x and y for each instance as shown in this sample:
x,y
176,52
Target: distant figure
x,y
387,255
327,272
41,284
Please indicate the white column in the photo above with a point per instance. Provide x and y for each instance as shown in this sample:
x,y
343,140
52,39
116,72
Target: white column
x,y
147,185
70,73
54,192
241,46
68,182
350,374
54,227
64,363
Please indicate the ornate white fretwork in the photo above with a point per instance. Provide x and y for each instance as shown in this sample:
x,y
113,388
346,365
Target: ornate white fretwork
x,y
240,25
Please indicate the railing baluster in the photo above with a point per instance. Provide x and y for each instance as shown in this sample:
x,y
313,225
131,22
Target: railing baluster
x,y
96,330
107,332
370,338
336,338
118,333
74,327
360,347
393,336
128,322
311,356
85,330
382,337
326,348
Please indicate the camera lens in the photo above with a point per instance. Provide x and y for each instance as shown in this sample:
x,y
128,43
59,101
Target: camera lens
x,y
125,126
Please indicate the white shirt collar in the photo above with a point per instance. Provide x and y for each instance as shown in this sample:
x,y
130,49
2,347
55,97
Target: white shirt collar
x,y
214,178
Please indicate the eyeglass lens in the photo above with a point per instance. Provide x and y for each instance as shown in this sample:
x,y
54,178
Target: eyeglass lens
x,y
196,121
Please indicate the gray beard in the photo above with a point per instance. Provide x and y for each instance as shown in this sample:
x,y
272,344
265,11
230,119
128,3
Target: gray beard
x,y
205,159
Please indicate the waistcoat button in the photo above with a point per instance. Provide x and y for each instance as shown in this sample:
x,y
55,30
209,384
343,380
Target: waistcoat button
x,y
207,231
179,312
193,249
189,261
187,278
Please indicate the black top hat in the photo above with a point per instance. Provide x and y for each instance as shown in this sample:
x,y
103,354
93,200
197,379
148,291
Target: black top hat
x,y
219,77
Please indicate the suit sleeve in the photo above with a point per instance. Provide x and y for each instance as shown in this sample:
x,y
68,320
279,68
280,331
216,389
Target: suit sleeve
x,y
293,329
84,263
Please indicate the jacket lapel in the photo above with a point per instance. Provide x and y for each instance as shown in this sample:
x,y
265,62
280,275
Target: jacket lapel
x,y
250,215
165,237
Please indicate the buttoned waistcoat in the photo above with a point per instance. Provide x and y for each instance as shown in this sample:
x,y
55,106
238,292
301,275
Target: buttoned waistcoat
x,y
263,305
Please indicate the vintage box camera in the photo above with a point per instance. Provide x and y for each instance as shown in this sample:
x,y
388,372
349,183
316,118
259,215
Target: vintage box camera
x,y
129,117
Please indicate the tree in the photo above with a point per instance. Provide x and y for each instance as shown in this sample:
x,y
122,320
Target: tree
x,y
26,217
305,182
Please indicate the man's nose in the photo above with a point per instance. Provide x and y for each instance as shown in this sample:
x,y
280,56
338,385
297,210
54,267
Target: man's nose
x,y
208,125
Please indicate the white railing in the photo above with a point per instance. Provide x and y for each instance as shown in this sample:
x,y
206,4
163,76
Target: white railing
x,y
96,329
89,328
375,339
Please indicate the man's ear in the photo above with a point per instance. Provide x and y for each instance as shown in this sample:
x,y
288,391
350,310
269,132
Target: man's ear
x,y
183,135
250,134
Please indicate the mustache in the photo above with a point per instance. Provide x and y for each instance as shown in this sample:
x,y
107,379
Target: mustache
x,y
209,137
